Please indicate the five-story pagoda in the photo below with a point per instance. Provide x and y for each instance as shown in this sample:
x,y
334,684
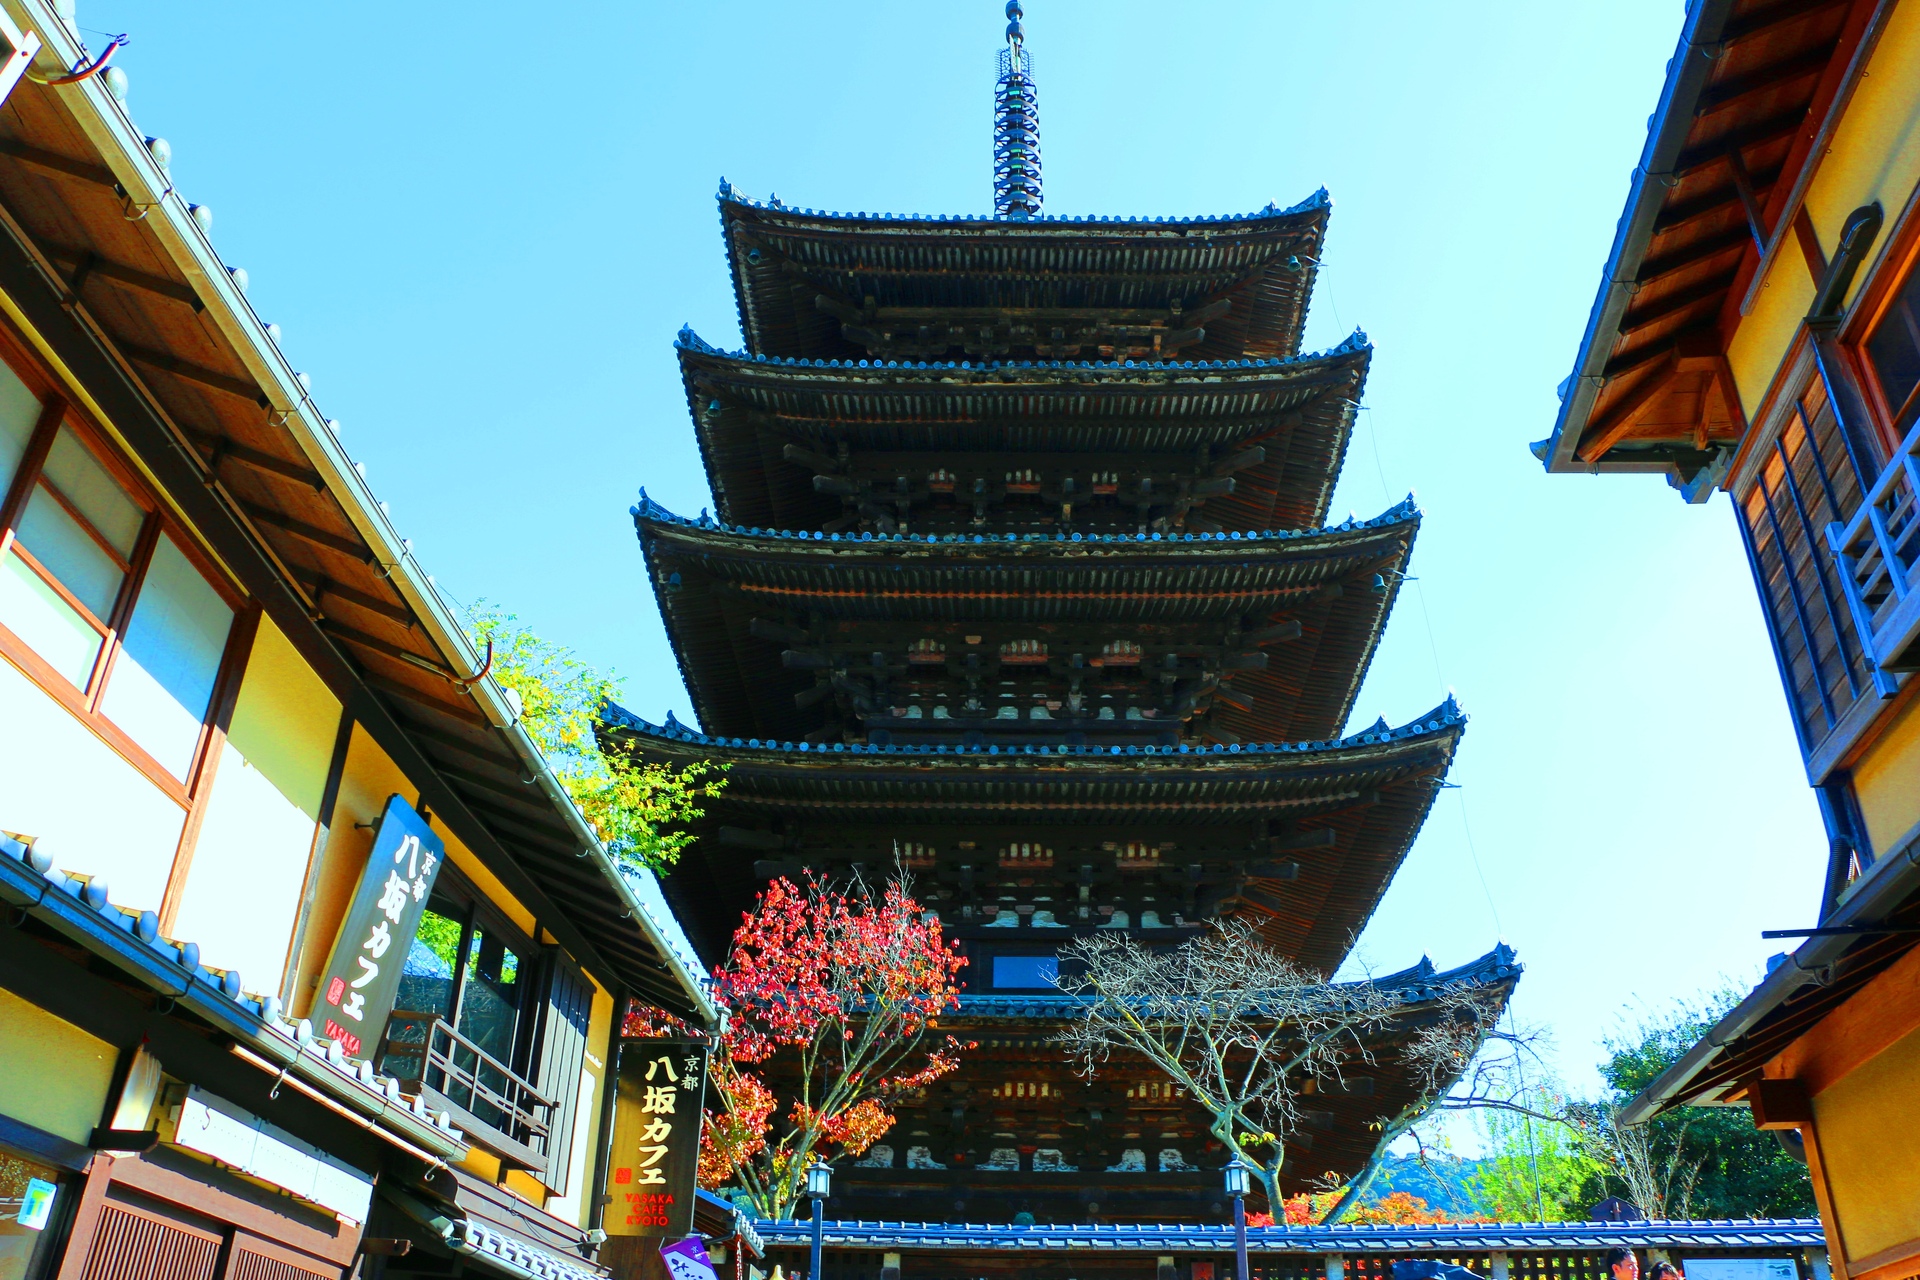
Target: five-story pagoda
x,y
1020,577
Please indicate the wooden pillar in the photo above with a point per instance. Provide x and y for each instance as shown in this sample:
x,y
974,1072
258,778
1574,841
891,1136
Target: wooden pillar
x,y
1817,1263
1336,1266
889,1266
1499,1258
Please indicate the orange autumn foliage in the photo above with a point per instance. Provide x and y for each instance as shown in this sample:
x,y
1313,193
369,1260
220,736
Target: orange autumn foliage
x,y
1395,1209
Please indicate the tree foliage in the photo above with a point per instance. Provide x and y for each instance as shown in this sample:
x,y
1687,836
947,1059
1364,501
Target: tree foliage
x,y
832,996
1535,1166
638,810
1243,1031
1705,1162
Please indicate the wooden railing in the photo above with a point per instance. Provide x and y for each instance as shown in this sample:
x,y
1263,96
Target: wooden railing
x,y
515,1119
1879,555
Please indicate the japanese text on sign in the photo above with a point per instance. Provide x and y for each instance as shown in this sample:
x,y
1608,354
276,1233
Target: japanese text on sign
x,y
656,1138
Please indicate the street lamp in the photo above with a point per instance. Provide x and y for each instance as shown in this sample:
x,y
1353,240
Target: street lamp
x,y
819,1187
1236,1177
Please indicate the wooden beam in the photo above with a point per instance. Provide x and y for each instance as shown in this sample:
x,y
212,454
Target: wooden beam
x,y
320,586
1749,201
1604,435
53,162
374,644
222,448
1730,91
1809,245
239,387
308,533
421,698
86,264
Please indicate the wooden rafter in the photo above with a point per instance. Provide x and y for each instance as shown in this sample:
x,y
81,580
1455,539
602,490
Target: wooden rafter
x,y
1602,436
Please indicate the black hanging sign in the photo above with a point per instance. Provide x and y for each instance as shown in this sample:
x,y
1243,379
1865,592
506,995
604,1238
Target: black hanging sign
x,y
656,1138
362,977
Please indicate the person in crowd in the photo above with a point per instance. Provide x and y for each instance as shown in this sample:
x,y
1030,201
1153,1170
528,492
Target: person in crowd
x,y
1622,1264
1664,1271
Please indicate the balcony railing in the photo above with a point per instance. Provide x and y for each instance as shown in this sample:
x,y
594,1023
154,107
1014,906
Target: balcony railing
x,y
1879,555
513,1118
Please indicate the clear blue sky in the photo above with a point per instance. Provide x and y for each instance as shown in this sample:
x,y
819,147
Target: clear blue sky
x,y
480,227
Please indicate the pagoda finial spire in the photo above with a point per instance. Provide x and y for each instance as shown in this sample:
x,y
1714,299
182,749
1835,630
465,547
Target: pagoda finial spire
x,y
1016,127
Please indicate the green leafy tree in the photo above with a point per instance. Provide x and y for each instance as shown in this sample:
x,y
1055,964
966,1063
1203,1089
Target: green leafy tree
x,y
1533,1169
1707,1162
638,810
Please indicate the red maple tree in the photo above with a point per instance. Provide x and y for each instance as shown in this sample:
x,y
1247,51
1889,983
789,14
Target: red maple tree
x,y
831,995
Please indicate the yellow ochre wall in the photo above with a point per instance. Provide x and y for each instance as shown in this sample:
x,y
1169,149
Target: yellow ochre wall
x,y
1874,155
1886,778
249,863
53,1075
1865,1126
369,778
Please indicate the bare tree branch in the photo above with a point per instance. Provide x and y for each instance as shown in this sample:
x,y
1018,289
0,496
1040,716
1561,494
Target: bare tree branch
x,y
1246,1033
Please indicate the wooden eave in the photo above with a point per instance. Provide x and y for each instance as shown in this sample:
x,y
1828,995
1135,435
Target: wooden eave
x,y
156,341
1746,96
1373,790
711,584
1299,412
783,259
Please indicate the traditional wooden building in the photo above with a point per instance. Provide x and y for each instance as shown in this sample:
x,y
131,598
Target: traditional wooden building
x,y
222,676
1758,332
1020,578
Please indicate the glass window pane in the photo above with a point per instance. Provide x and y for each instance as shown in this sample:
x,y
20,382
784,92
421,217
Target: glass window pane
x,y
489,1007
426,983
50,627
67,551
18,412
163,678
27,1194
77,474
1895,346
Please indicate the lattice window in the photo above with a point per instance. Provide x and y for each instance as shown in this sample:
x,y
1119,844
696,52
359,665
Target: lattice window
x,y
1807,482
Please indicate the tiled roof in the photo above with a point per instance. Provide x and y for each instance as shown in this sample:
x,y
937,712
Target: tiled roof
x,y
80,908
1437,721
1318,200
1777,1233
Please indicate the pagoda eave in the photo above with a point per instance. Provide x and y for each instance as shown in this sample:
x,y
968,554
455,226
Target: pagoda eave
x,y
786,261
769,427
1301,838
1267,637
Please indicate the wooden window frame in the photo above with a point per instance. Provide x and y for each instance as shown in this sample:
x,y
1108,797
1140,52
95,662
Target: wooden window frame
x,y
1897,264
58,412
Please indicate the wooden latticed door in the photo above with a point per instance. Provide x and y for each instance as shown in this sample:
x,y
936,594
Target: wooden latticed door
x,y
133,1242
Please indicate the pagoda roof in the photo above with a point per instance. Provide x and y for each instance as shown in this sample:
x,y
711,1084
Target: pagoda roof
x,y
1371,789
1300,409
783,258
1416,983
712,580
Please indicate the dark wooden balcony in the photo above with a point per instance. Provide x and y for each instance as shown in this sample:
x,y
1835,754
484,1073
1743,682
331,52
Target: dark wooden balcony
x,y
496,1108
1879,555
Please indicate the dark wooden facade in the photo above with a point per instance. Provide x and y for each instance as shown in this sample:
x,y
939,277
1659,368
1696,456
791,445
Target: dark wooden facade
x,y
1021,583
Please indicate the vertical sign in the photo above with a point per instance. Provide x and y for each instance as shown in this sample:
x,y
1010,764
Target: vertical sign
x,y
362,976
656,1138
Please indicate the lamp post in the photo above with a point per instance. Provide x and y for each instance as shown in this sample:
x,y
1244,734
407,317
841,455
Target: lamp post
x,y
1236,1176
819,1187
